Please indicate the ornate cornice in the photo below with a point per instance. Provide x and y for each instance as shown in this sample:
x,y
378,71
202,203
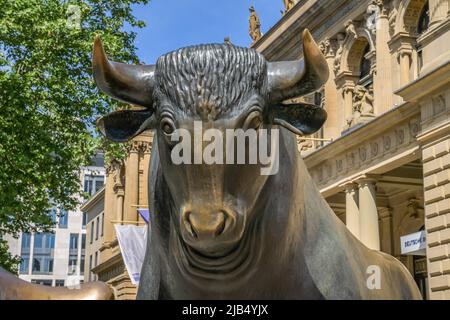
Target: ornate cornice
x,y
328,47
140,147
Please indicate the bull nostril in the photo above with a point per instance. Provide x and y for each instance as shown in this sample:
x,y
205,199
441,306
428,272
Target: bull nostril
x,y
199,229
189,227
221,227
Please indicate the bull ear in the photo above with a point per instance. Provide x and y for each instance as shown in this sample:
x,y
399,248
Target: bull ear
x,y
299,118
123,125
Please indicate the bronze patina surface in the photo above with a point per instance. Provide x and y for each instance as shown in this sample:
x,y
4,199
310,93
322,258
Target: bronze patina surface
x,y
13,288
225,231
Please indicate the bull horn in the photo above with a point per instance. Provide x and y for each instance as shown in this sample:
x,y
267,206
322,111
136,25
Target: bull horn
x,y
128,83
13,288
291,79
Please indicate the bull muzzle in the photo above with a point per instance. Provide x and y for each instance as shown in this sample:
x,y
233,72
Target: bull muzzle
x,y
211,231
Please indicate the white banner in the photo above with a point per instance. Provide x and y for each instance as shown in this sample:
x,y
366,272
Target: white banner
x,y
132,242
414,244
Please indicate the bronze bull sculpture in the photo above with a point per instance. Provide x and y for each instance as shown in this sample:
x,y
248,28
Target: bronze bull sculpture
x,y
224,231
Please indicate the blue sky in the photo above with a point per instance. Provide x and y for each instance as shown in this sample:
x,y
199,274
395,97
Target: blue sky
x,y
172,24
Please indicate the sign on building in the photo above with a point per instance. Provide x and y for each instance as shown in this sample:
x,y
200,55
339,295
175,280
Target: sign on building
x,y
414,244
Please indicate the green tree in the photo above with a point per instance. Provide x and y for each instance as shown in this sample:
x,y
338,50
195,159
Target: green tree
x,y
49,103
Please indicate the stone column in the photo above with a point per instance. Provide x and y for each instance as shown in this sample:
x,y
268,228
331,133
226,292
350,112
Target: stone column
x,y
345,82
119,205
383,98
351,209
112,174
438,11
405,64
131,199
348,102
369,229
386,230
332,128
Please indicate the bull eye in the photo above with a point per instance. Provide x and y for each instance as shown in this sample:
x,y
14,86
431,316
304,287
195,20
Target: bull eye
x,y
253,121
167,126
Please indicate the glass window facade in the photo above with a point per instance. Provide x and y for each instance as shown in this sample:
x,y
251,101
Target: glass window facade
x,y
25,264
84,220
63,219
93,183
43,246
73,244
59,283
43,282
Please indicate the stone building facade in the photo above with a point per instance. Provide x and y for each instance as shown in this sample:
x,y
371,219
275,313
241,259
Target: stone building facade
x,y
125,191
382,160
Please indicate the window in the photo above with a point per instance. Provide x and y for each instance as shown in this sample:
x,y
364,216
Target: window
x,y
63,218
42,265
83,247
90,268
92,184
49,241
103,223
82,265
422,27
24,264
44,243
73,260
96,263
26,242
38,240
97,227
59,283
365,66
92,232
84,220
424,19
83,241
73,241
53,215
42,282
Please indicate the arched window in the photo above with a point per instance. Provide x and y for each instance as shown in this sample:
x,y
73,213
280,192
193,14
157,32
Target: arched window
x,y
422,27
365,66
424,19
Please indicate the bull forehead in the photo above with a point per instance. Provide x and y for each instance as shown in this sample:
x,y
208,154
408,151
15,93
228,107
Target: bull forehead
x,y
210,80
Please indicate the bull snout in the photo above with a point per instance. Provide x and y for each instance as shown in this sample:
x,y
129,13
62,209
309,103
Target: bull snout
x,y
206,226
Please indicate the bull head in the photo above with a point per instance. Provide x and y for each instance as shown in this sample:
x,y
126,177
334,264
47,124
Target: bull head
x,y
135,84
225,87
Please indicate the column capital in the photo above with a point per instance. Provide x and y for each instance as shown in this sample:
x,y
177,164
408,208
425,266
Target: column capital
x,y
365,180
349,186
346,79
119,190
385,212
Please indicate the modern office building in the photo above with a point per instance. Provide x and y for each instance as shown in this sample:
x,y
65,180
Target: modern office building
x,y
57,258
125,191
382,159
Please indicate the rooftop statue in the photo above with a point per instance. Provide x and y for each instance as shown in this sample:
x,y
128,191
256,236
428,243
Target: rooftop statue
x,y
254,29
289,4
